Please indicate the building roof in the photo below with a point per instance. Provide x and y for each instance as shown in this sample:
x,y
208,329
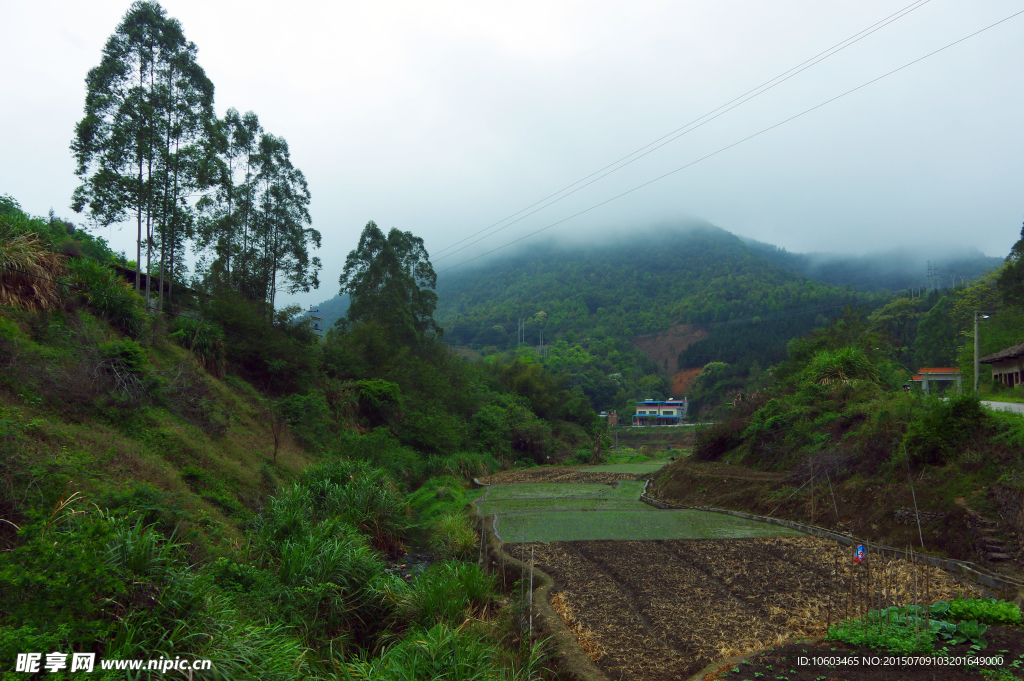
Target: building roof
x,y
938,370
1011,352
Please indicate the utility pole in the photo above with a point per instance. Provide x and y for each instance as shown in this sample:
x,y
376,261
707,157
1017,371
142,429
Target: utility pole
x,y
977,365
314,321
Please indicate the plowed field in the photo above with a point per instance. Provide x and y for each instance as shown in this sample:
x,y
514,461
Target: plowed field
x,y
664,609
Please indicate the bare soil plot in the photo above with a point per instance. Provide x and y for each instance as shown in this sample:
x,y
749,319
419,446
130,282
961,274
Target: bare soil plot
x,y
664,609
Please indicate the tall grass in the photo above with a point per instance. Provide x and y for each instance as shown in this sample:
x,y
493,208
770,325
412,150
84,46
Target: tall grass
x,y
445,653
29,270
449,591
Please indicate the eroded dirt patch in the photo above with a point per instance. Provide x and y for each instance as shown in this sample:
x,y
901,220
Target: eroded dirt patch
x,y
664,609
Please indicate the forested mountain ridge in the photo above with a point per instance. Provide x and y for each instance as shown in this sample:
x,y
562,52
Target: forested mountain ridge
x,y
644,284
895,270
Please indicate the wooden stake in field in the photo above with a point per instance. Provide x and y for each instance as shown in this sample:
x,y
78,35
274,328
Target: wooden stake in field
x,y
531,593
917,607
928,599
849,610
831,588
870,601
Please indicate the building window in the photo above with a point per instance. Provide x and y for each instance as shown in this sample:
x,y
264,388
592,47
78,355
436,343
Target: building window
x,y
668,412
641,412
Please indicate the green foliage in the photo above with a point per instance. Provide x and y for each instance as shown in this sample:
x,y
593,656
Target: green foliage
x,y
452,535
841,367
105,292
897,635
937,336
309,417
444,652
277,354
711,442
1010,280
906,630
350,492
897,321
447,592
986,610
389,280
202,339
943,427
124,356
378,399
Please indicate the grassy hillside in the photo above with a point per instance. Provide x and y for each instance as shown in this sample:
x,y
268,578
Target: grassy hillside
x,y
217,482
833,438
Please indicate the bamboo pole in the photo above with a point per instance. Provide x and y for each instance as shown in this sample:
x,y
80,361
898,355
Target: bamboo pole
x,y
531,593
917,607
849,611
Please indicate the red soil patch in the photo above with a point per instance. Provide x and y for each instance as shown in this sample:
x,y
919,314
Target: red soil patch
x,y
663,348
684,380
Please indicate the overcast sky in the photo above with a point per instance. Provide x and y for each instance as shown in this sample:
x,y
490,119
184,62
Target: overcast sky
x,y
442,118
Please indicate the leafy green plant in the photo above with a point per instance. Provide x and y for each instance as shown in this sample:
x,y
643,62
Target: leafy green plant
x,y
987,610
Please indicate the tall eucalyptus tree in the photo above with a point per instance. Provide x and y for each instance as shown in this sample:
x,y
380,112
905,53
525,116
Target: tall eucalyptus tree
x,y
282,231
226,214
147,107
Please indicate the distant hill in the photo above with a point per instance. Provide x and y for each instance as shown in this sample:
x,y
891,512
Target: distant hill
x,y
332,310
646,283
646,312
896,270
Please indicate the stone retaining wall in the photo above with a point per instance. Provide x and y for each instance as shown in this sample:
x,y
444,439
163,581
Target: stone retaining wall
x,y
569,659
1011,506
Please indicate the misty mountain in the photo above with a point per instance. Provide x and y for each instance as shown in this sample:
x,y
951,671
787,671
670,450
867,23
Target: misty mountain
x,y
895,270
641,283
332,310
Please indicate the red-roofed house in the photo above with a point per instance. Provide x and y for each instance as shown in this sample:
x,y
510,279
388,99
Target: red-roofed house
x,y
929,375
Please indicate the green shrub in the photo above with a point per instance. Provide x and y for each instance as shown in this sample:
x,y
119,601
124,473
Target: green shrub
x,y
444,652
714,441
123,356
309,417
452,535
202,339
107,293
449,592
943,427
378,399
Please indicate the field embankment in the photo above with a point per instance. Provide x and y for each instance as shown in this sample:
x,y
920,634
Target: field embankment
x,y
968,516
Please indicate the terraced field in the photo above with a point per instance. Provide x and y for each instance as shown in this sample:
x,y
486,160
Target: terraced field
x,y
547,512
659,594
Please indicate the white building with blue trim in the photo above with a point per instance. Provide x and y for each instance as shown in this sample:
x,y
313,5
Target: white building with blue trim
x,y
670,412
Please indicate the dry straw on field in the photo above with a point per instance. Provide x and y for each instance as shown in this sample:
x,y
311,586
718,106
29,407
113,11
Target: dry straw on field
x,y
660,610
586,637
28,271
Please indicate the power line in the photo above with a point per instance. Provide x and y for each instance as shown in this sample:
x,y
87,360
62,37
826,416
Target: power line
x,y
696,123
734,144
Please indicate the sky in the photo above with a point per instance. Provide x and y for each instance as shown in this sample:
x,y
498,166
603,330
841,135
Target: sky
x,y
443,118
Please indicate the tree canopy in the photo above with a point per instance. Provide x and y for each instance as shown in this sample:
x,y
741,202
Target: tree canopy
x,y
389,280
